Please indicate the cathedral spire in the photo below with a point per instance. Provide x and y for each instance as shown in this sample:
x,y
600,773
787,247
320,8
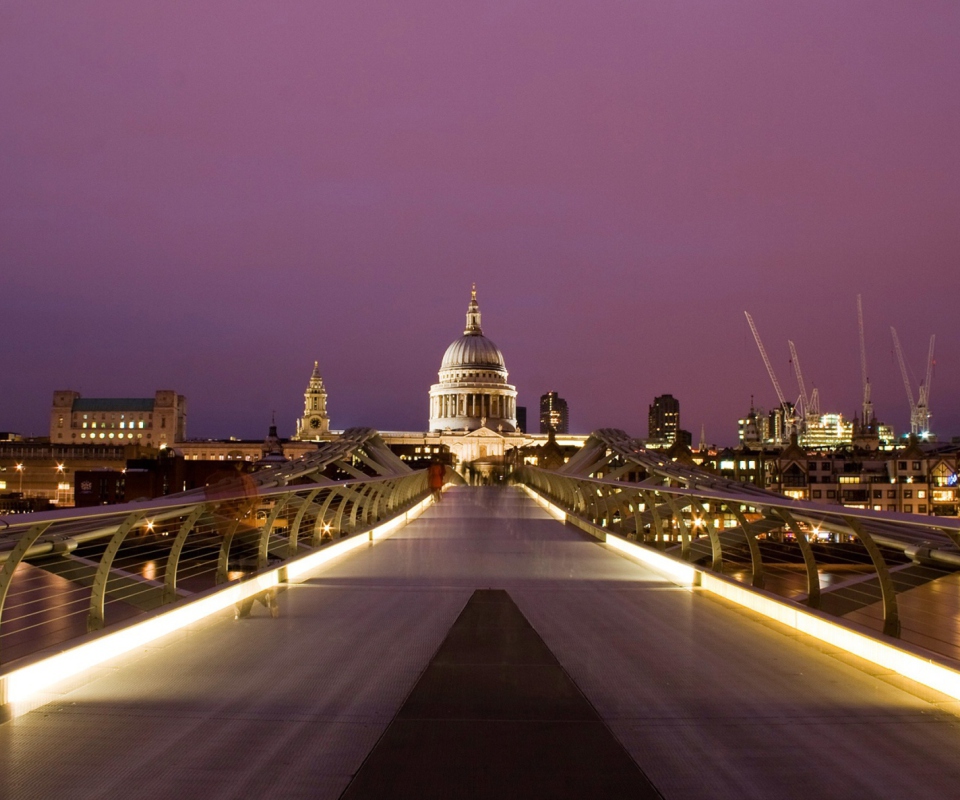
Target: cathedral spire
x,y
473,315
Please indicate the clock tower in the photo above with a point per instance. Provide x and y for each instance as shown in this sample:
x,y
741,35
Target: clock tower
x,y
314,421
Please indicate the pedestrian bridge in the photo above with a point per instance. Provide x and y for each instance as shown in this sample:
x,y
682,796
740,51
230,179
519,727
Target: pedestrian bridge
x,y
477,647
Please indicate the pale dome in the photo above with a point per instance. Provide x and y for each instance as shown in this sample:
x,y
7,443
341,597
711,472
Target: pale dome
x,y
472,350
473,391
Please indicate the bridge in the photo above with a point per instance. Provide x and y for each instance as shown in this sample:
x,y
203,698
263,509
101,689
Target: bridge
x,y
625,626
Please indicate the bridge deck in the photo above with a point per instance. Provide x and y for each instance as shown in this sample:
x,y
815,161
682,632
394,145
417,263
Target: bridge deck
x,y
709,701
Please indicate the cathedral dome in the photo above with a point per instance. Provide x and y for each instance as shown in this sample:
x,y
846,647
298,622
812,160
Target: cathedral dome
x,y
472,350
473,391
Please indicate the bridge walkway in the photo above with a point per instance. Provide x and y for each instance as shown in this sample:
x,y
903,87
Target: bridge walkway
x,y
710,701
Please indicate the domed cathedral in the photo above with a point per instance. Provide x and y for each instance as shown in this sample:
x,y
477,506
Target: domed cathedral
x,y
314,422
473,392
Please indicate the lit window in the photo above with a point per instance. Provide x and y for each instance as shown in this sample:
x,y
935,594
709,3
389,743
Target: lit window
x,y
3,484
123,424
83,436
921,494
111,435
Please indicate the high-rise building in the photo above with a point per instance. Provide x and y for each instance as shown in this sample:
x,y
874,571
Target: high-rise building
x,y
664,419
554,414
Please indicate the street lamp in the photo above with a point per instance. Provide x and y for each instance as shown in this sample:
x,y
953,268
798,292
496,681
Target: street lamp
x,y
61,482
20,470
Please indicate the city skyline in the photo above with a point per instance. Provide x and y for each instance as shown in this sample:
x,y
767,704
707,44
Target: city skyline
x,y
621,183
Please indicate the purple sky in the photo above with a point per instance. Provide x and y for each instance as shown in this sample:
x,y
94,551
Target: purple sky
x,y
209,196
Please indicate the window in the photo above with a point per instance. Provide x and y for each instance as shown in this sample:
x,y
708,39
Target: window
x,y
891,507
816,494
921,509
825,466
811,465
831,493
901,465
916,465
921,494
891,493
908,493
877,494
908,507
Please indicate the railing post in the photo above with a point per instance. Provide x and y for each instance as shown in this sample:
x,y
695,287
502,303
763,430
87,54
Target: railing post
x,y
891,615
95,617
756,561
809,559
173,560
16,556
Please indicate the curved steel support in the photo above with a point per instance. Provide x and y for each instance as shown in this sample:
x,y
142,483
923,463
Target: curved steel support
x,y
891,615
15,557
809,560
99,590
316,538
651,500
756,561
682,524
223,562
294,541
715,549
173,560
263,546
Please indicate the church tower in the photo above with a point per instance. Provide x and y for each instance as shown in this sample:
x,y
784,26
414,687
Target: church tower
x,y
314,421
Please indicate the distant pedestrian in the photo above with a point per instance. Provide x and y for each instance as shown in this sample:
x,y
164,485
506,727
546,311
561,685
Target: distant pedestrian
x,y
435,475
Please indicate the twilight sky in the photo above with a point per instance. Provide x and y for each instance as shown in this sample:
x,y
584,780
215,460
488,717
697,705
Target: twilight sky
x,y
209,196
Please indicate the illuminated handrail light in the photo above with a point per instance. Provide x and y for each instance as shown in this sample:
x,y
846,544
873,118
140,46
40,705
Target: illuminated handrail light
x,y
22,688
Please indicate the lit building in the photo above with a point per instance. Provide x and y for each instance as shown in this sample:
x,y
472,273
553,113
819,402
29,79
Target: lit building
x,y
554,414
664,419
473,392
315,421
156,421
828,431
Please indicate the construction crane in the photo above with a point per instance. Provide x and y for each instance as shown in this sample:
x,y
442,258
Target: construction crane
x,y
789,417
920,409
811,402
867,403
923,404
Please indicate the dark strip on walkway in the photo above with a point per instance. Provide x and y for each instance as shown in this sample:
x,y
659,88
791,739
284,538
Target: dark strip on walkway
x,y
495,715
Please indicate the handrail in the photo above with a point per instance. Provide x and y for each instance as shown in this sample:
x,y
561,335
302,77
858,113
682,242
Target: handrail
x,y
160,551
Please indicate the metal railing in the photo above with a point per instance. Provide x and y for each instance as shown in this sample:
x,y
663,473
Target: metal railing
x,y
882,571
65,573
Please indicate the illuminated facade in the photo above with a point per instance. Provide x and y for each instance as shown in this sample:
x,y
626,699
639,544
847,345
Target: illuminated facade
x,y
157,421
663,419
554,414
473,392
